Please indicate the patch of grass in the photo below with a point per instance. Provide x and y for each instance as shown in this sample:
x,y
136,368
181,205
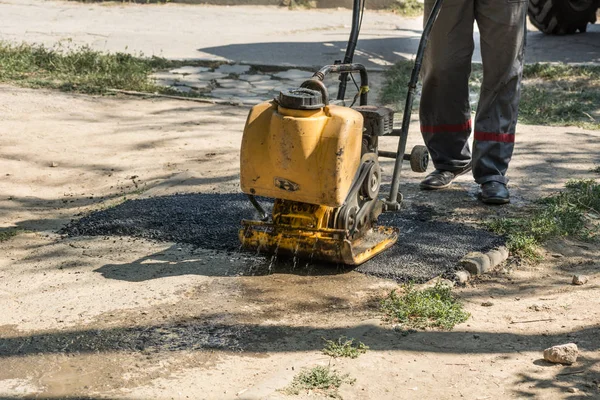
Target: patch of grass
x,y
572,212
319,379
8,234
128,1
395,85
433,307
300,4
344,347
596,169
407,8
80,69
557,95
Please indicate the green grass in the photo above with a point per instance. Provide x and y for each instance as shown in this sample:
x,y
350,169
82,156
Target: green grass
x,y
433,307
344,347
319,379
407,8
300,4
78,69
573,212
557,95
128,1
8,234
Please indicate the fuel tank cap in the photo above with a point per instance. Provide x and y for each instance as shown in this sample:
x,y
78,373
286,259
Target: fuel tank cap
x,y
301,99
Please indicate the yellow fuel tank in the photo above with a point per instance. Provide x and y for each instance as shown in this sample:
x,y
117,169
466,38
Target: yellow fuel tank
x,y
310,156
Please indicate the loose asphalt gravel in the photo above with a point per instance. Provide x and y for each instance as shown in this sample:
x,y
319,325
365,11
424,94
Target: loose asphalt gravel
x,y
427,246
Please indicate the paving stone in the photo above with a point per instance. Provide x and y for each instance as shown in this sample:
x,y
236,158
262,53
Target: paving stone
x,y
497,256
267,85
225,93
182,89
163,75
476,263
189,70
252,101
199,85
233,69
234,84
255,78
207,76
165,82
293,74
259,91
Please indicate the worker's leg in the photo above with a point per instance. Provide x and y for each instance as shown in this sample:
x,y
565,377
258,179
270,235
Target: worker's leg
x,y
503,31
445,111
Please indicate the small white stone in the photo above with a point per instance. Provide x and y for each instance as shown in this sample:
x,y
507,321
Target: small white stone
x,y
563,354
580,279
462,276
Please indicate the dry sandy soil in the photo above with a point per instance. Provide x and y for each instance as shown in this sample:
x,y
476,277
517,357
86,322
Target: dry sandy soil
x,y
175,321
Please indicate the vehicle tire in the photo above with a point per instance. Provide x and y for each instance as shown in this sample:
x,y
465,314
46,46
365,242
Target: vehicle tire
x,y
561,17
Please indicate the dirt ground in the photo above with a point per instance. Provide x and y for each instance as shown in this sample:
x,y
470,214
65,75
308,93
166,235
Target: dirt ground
x,y
127,318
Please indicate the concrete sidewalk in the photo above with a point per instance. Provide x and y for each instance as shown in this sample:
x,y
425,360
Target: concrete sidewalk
x,y
245,34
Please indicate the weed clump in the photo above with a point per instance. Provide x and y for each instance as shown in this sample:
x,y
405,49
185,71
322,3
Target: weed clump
x,y
344,347
433,307
319,379
407,8
8,234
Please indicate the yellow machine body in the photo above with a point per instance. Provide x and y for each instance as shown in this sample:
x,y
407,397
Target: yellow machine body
x,y
302,230
309,156
311,162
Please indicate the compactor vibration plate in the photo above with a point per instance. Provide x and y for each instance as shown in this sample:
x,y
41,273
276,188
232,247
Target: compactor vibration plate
x,y
331,245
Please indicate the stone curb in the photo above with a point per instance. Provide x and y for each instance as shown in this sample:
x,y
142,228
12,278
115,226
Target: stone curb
x,y
477,263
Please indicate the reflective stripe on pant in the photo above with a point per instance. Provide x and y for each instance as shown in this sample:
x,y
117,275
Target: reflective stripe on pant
x,y
445,111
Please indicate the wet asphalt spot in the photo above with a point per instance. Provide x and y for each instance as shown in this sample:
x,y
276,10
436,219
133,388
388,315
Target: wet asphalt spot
x,y
427,247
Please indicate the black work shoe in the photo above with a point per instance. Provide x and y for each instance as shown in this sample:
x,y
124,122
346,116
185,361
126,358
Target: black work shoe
x,y
494,193
440,179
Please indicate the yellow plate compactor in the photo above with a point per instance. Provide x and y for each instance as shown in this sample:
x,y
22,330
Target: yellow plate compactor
x,y
319,160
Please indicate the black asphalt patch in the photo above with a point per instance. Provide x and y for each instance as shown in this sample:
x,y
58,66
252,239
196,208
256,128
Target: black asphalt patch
x,y
427,247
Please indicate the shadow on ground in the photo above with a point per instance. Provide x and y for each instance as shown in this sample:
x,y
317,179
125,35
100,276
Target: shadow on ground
x,y
204,335
375,53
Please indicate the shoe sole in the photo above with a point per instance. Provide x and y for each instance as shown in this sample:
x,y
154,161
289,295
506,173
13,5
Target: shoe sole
x,y
431,187
495,200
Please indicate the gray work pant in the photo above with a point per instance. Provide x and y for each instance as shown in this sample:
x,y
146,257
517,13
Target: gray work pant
x,y
445,110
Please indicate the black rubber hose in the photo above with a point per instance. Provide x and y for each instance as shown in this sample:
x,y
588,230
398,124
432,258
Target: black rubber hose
x,y
392,201
352,41
344,69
